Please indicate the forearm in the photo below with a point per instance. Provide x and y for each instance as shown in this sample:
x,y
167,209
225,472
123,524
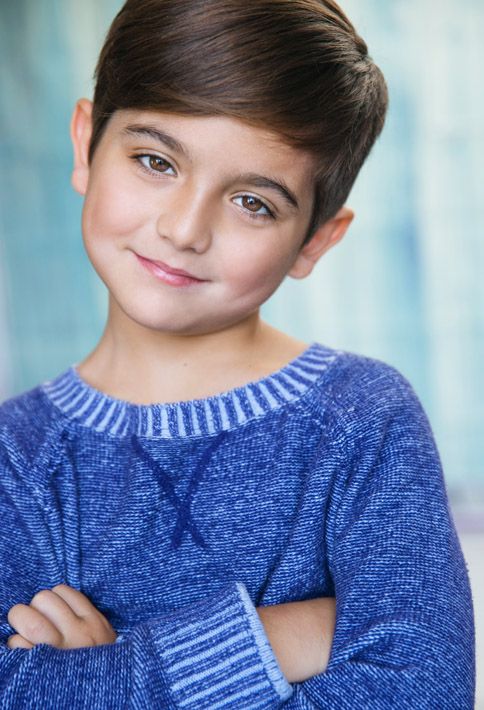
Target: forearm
x,y
301,635
156,665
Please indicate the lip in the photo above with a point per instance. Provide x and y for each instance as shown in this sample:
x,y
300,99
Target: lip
x,y
175,277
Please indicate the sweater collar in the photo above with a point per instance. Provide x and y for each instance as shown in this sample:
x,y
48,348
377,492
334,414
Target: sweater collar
x,y
96,410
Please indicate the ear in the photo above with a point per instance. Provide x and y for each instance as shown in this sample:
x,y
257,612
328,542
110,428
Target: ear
x,y
81,130
325,237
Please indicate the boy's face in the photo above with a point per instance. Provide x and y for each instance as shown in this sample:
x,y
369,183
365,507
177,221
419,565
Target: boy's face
x,y
212,196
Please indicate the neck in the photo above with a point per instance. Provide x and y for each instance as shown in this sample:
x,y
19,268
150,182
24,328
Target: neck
x,y
141,365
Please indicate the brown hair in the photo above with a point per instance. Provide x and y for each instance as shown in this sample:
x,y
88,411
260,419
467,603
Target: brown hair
x,y
297,67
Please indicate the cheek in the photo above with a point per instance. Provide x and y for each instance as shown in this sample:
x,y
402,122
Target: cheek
x,y
256,273
111,211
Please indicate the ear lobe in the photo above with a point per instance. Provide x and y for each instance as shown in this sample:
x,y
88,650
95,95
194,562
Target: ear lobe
x,y
325,237
81,130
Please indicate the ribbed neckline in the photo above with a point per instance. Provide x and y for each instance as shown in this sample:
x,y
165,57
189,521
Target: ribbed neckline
x,y
96,410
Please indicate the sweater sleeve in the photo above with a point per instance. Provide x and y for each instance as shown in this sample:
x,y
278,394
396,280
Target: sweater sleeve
x,y
210,654
404,635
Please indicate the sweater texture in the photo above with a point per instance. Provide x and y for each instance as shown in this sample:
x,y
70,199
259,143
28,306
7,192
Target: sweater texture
x,y
177,520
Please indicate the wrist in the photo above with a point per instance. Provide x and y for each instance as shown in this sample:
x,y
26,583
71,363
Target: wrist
x,y
300,634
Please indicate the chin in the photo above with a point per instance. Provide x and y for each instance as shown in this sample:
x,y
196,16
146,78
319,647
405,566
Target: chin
x,y
154,319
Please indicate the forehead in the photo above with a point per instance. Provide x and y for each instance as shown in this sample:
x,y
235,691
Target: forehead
x,y
230,138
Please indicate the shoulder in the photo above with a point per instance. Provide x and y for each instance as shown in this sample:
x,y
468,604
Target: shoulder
x,y
30,430
355,389
378,426
378,382
26,417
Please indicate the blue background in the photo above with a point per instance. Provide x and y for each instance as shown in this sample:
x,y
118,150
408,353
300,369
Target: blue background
x,y
406,285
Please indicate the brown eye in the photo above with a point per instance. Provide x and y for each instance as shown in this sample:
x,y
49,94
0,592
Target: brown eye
x,y
252,203
158,164
153,163
255,208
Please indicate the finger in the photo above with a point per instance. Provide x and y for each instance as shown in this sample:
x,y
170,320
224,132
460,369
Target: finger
x,y
33,625
82,606
96,627
18,641
54,608
77,601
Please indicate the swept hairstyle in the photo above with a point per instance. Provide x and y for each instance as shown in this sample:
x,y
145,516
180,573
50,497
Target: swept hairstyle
x,y
296,67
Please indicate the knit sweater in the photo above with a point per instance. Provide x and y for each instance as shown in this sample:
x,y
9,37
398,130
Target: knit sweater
x,y
178,519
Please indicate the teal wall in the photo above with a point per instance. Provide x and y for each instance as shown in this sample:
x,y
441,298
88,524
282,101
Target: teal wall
x,y
53,305
407,283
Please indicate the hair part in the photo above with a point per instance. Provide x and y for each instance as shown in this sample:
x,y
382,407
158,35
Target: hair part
x,y
296,67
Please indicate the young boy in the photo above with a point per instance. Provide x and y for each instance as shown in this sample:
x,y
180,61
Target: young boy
x,y
181,508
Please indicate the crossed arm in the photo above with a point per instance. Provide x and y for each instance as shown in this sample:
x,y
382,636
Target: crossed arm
x,y
300,633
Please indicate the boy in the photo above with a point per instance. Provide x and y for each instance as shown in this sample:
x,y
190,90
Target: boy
x,y
208,482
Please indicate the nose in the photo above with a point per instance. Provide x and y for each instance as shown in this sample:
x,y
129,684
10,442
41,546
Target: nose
x,y
185,219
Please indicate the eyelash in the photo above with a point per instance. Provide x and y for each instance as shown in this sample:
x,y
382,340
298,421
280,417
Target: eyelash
x,y
137,158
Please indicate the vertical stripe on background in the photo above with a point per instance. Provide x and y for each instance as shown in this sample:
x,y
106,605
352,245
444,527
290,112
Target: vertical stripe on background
x,y
5,371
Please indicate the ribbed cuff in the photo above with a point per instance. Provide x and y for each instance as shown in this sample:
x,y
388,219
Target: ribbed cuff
x,y
215,654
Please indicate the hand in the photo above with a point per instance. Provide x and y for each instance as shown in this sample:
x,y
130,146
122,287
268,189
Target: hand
x,y
301,635
62,617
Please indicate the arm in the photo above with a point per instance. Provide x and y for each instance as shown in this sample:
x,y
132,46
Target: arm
x,y
404,635
210,652
300,633
143,670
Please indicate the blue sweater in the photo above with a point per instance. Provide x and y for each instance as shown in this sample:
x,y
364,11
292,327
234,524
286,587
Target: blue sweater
x,y
177,520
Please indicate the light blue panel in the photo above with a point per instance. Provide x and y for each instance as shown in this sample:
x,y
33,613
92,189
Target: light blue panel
x,y
54,305
405,285
5,370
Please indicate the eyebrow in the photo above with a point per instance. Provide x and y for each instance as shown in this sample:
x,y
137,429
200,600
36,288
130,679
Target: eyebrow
x,y
272,183
157,135
252,179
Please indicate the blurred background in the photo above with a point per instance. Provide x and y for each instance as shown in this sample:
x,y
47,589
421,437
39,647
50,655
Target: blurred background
x,y
406,285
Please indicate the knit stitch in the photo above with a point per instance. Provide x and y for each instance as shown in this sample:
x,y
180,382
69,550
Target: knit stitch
x,y
177,520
